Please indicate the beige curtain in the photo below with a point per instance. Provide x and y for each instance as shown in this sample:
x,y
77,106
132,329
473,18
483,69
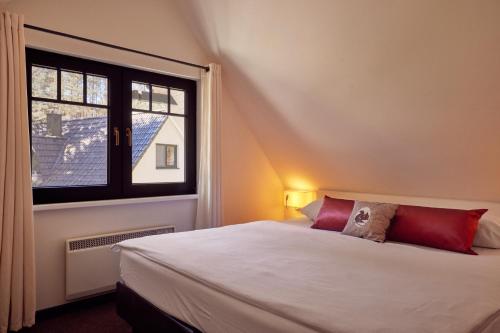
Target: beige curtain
x,y
17,266
209,176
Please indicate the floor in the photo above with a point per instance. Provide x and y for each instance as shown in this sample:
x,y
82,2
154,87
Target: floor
x,y
96,316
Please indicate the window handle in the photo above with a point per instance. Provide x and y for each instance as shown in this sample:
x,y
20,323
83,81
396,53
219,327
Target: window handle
x,y
128,133
116,132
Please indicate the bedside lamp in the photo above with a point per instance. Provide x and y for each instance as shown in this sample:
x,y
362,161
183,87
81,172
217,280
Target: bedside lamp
x,y
298,199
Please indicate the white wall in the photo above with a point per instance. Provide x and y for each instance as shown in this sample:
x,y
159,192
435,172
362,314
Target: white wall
x,y
172,133
251,188
52,228
394,97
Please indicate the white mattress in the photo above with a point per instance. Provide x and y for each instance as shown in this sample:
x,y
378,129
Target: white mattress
x,y
196,304
212,309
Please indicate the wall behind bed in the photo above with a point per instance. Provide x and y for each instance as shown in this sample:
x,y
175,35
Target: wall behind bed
x,y
154,26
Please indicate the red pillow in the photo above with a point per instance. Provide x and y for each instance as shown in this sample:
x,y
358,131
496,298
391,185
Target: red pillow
x,y
334,214
446,229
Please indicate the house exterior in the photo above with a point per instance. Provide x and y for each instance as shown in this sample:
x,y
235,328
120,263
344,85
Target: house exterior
x,y
74,152
147,167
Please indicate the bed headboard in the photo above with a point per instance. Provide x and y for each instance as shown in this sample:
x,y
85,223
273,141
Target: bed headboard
x,y
493,207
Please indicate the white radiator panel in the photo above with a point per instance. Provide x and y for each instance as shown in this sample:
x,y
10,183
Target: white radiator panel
x,y
91,266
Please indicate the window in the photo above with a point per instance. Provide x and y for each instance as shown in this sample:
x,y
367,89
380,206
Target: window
x,y
101,131
166,156
69,135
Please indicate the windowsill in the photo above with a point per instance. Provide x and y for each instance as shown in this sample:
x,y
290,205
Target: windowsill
x,y
114,202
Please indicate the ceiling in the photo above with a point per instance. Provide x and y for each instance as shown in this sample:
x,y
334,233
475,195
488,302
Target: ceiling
x,y
398,97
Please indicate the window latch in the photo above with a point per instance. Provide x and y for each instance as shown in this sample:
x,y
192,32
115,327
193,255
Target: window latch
x,y
116,132
128,133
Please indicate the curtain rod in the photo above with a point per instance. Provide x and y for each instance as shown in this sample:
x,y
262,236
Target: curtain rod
x,y
117,47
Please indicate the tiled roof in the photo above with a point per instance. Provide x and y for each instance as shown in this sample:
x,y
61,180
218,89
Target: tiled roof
x,y
79,157
144,128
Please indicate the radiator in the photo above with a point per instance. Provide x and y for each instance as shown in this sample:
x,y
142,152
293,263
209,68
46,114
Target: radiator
x,y
91,266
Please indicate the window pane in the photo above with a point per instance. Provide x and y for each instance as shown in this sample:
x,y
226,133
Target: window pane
x,y
43,82
69,145
148,132
71,86
161,156
177,101
160,99
166,156
97,90
171,159
140,96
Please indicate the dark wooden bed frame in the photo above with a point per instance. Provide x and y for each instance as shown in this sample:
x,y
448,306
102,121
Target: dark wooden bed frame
x,y
144,316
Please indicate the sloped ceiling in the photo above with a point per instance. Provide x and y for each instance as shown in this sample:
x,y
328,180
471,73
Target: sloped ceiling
x,y
398,97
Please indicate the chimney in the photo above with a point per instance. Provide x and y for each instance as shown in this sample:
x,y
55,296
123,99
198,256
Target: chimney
x,y
54,124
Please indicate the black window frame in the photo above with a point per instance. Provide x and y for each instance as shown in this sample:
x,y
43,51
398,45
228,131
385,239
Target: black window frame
x,y
120,116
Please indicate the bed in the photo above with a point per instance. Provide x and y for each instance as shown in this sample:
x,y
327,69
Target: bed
x,y
271,276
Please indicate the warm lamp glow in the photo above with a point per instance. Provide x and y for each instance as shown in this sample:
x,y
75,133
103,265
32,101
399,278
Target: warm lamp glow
x,y
298,199
299,183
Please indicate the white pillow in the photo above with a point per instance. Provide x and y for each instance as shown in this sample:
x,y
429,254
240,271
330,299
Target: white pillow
x,y
311,210
488,233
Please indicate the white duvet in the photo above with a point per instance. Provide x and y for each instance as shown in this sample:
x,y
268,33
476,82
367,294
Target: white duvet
x,y
329,282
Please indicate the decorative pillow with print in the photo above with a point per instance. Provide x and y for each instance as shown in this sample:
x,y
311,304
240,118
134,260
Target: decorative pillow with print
x,y
370,220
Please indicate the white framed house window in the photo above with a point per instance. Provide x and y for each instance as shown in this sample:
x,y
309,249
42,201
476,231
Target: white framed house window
x,y
166,156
